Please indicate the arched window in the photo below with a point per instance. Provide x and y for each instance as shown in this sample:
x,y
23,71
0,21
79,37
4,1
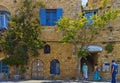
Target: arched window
x,y
55,67
47,49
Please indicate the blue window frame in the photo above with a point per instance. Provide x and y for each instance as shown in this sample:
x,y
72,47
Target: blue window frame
x,y
4,20
4,68
49,17
88,15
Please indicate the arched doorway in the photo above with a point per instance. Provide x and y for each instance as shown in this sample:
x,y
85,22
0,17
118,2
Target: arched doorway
x,y
90,60
37,69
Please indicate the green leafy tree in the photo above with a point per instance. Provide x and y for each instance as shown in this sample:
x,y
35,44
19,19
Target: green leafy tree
x,y
78,32
22,38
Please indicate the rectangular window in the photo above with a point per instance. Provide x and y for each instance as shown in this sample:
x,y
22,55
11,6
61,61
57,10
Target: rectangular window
x,y
3,68
3,21
49,17
88,15
0,67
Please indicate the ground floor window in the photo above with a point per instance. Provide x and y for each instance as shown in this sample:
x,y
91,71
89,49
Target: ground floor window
x,y
4,68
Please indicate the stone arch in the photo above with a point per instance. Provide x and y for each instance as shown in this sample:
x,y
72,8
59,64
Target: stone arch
x,y
92,58
3,8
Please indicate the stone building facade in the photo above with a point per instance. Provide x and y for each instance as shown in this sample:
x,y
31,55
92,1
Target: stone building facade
x,y
61,54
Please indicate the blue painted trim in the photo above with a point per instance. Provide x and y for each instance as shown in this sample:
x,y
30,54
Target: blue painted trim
x,y
42,16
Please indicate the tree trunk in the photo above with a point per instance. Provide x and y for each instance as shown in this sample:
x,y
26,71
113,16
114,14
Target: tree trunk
x,y
78,69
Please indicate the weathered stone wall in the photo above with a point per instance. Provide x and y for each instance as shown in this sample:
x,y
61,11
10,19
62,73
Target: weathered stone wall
x,y
105,36
59,51
64,52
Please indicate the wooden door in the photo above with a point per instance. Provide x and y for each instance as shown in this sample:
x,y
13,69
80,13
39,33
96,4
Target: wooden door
x,y
37,69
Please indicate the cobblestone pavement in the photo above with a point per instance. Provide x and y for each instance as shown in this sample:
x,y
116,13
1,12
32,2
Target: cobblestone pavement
x,y
54,81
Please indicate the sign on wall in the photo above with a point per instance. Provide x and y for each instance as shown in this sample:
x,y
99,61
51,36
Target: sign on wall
x,y
106,67
118,68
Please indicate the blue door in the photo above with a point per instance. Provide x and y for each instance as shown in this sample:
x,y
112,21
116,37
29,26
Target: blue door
x,y
55,67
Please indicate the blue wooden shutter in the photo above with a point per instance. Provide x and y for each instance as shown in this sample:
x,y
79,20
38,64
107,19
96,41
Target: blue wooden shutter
x,y
53,67
88,16
59,13
5,69
1,21
57,68
5,21
43,16
0,66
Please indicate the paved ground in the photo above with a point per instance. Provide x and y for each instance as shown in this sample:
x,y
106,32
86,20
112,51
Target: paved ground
x,y
53,81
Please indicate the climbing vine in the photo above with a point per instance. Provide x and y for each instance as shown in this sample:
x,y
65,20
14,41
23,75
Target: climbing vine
x,y
109,47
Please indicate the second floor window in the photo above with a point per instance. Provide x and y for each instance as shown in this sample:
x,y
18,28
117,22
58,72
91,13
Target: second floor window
x,y
4,20
49,17
88,15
